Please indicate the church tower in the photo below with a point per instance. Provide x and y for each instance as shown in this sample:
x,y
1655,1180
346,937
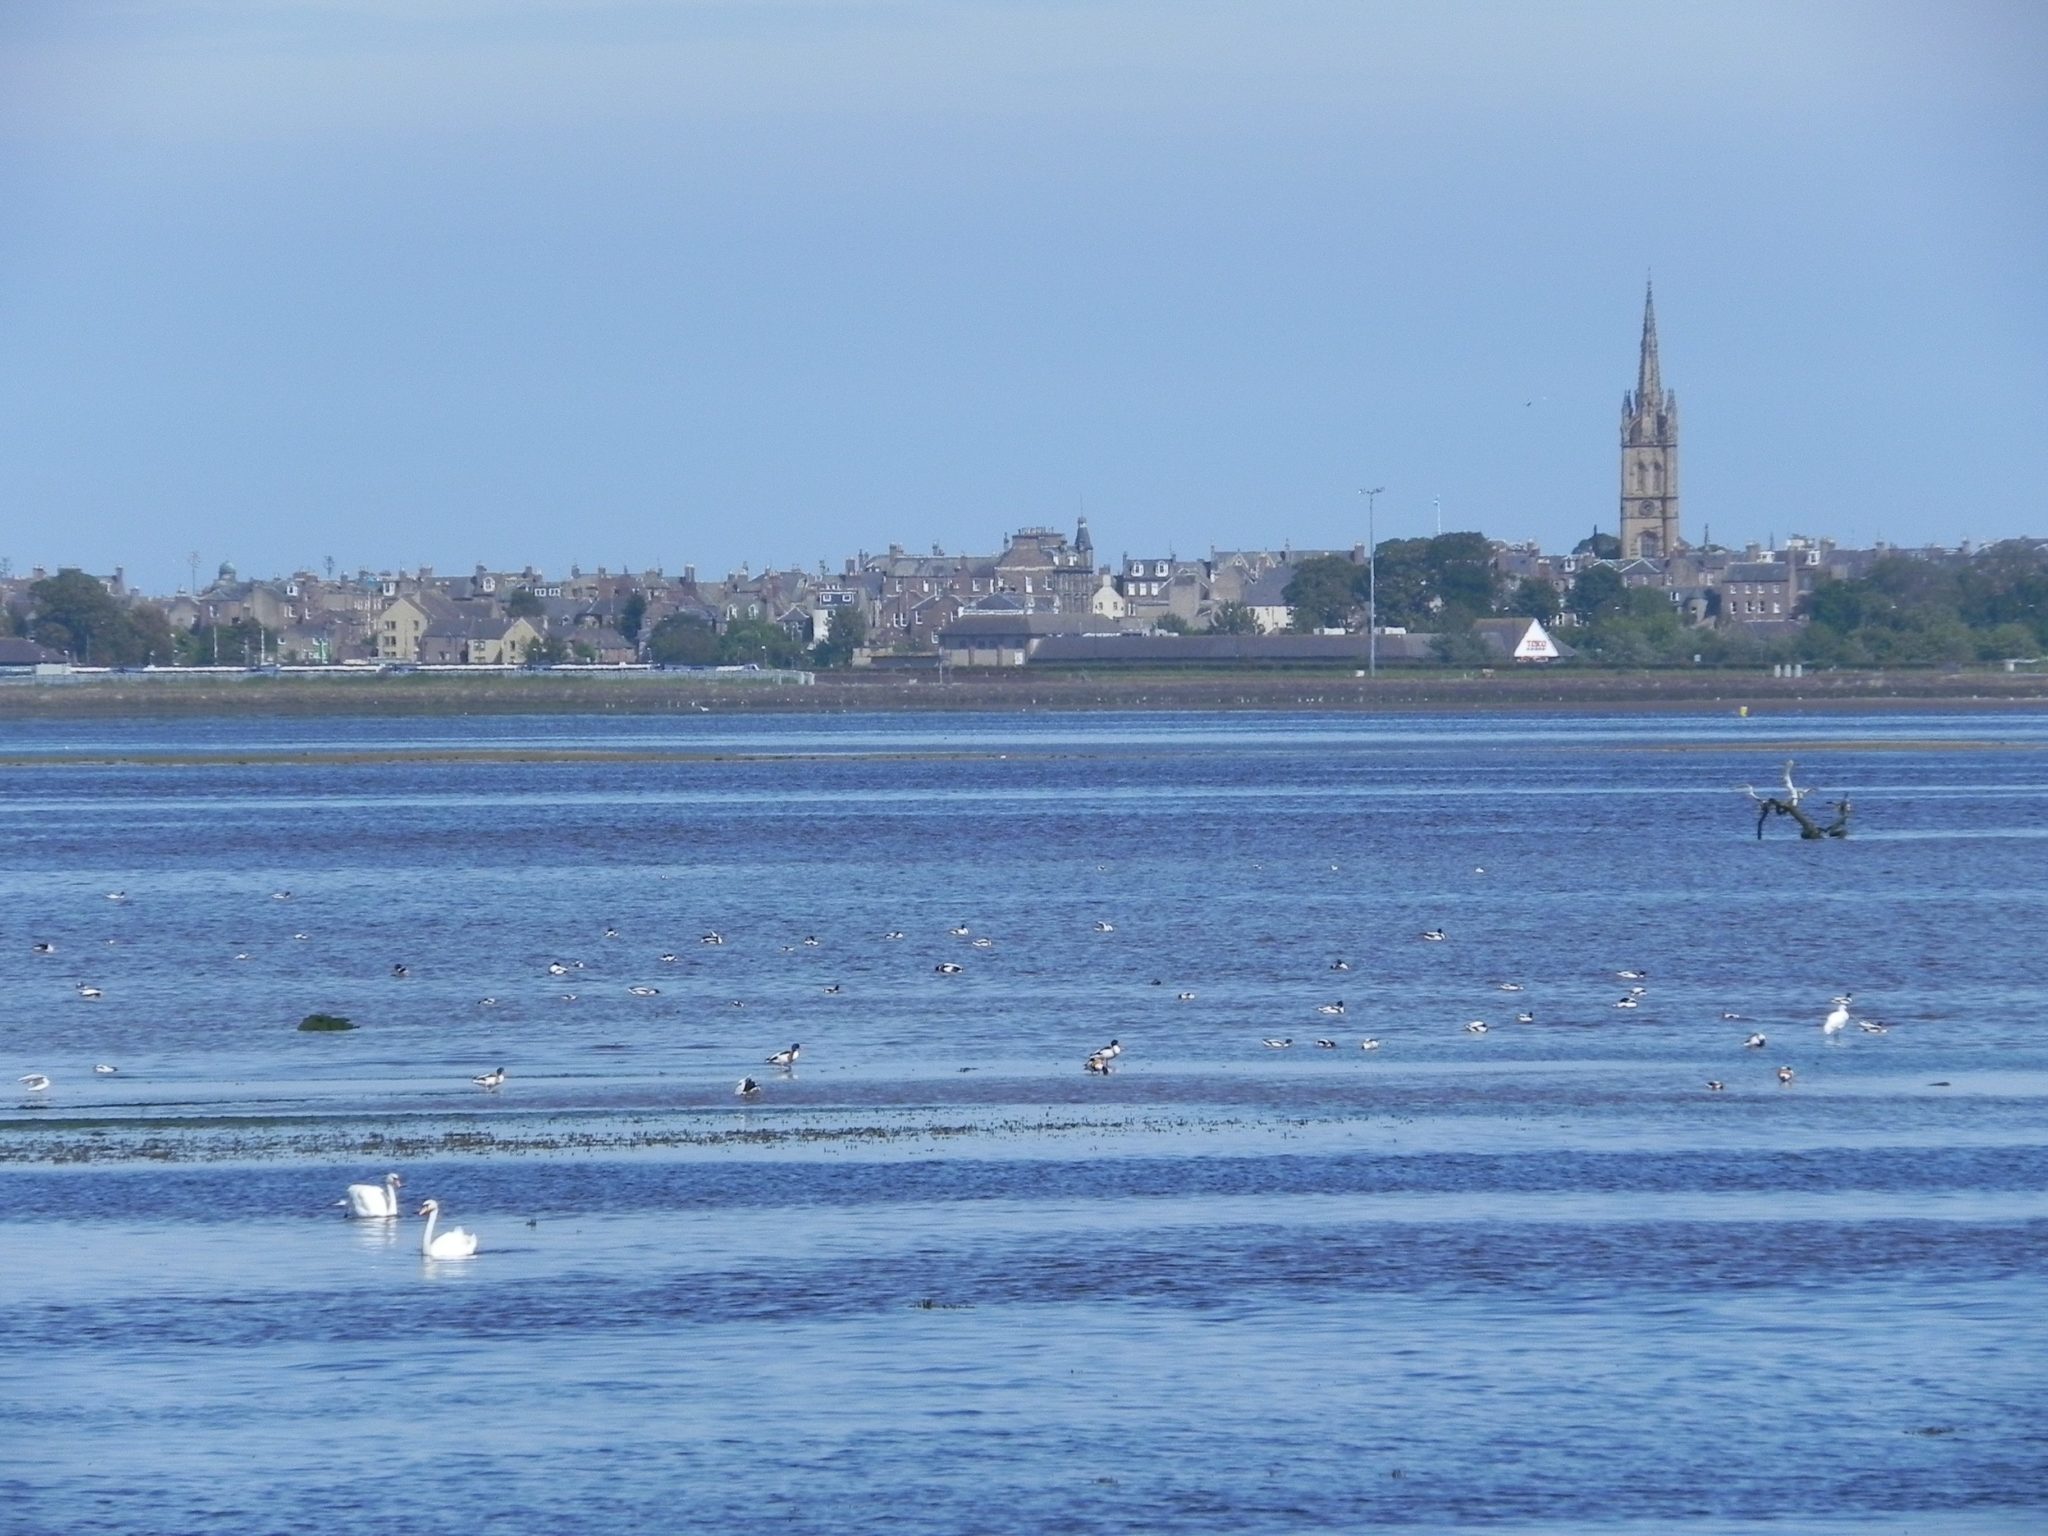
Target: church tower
x,y
1649,455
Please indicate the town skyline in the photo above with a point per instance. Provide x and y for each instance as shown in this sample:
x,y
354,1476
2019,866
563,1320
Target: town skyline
x,y
611,283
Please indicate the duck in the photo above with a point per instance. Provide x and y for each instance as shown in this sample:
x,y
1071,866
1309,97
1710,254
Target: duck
x,y
556,968
893,935
1838,1019
1105,927
374,1201
785,1059
959,930
1872,1027
491,1079
487,1002
810,941
984,942
1111,1051
1525,1017
117,895
1184,997
1368,1044
610,932
949,968
644,991
280,895
1099,1064
1755,1042
34,1082
1433,935
1715,1085
453,1244
1509,986
105,1069
1326,1045
834,990
1476,1027
1333,1010
1734,1018
1633,975
1272,1044
747,1088
400,972
670,959
43,947
1627,1002
89,993
713,937
1785,1076
1340,965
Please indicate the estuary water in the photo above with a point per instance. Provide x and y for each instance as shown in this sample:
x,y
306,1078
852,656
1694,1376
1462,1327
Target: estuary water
x,y
937,1277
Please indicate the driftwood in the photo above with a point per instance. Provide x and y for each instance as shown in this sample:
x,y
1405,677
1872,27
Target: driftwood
x,y
1788,804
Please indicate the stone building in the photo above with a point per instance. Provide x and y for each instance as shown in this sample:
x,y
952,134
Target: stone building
x,y
1649,456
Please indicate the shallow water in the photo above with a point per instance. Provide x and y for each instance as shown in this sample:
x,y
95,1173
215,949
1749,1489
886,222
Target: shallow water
x,y
938,1278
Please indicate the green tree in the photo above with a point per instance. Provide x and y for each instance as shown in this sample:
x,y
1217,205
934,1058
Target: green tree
x,y
1601,546
238,643
546,651
1234,619
682,640
759,642
1596,590
1172,624
524,603
72,612
1535,598
632,613
1324,591
846,633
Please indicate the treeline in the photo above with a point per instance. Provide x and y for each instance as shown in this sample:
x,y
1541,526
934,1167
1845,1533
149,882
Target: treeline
x,y
1903,612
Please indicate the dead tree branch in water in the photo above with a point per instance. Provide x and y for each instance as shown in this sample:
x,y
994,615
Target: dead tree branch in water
x,y
1788,804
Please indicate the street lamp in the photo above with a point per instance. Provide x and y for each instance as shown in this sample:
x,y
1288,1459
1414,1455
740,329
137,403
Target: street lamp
x,y
1372,584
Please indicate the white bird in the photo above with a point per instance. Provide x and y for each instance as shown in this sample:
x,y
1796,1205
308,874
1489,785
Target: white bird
x,y
1433,935
105,1069
948,968
1476,1027
785,1058
1368,1044
1111,1051
556,968
645,991
1508,986
117,895
1276,1045
454,1244
1332,1009
1525,1017
747,1088
374,1200
1633,975
1756,1042
280,895
959,930
34,1082
1836,1021
1105,927
89,993
490,1079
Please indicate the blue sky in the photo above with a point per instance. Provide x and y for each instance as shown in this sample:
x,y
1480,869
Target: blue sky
x,y
631,284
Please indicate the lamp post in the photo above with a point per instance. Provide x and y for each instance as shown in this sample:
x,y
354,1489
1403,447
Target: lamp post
x,y
1372,585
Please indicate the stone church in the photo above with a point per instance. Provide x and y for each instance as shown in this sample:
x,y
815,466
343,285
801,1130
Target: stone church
x,y
1649,456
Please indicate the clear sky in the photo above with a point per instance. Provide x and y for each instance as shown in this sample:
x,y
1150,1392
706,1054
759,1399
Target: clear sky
x,y
631,283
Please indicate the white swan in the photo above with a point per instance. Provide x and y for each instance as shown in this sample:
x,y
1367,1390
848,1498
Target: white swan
x,y
1835,1022
454,1244
34,1082
374,1200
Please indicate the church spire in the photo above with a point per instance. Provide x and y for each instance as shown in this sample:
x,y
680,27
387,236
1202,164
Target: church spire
x,y
1649,386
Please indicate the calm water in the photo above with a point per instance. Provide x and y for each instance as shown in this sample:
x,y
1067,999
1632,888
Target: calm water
x,y
940,1279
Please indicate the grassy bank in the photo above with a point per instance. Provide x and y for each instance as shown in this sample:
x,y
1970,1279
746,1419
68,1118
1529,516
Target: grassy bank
x,y
1009,691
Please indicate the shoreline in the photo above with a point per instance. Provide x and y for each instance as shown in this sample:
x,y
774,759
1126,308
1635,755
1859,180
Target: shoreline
x,y
1020,691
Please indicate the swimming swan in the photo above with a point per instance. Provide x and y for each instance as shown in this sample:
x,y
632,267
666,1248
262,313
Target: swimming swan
x,y
455,1244
374,1200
